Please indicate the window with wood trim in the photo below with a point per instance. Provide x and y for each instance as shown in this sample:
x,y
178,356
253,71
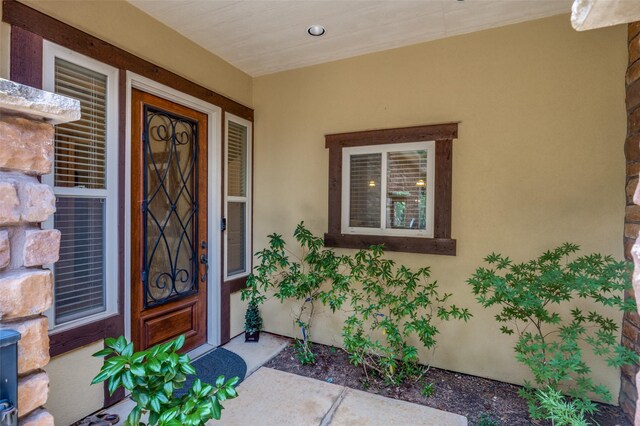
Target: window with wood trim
x,y
85,182
392,187
237,253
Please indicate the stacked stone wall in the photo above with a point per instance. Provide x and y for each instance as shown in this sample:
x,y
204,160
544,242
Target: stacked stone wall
x,y
631,321
27,118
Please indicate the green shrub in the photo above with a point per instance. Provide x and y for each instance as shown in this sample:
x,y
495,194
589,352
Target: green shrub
x,y
559,410
301,279
428,389
152,376
252,318
529,295
486,419
398,303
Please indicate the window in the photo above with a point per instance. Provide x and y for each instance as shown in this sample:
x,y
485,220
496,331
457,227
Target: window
x,y
85,182
392,187
407,207
237,254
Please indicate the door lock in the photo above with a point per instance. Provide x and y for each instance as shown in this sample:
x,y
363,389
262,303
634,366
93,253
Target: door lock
x,y
205,262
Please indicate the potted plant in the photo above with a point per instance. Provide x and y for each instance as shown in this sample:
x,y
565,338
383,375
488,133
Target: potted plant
x,y
152,376
252,322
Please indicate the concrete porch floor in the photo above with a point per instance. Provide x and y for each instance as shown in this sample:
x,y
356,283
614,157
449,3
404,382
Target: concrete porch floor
x,y
270,397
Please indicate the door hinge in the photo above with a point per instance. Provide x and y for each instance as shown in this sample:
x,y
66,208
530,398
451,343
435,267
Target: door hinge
x,y
223,224
143,275
143,206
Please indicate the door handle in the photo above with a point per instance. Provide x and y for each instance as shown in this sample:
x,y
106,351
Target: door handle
x,y
205,262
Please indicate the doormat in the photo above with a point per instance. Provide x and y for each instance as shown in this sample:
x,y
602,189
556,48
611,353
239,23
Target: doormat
x,y
216,363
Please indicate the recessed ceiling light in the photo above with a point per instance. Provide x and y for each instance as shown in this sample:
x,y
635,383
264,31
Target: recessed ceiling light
x,y
316,30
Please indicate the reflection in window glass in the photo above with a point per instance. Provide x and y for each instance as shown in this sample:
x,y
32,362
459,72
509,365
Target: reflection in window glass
x,y
406,190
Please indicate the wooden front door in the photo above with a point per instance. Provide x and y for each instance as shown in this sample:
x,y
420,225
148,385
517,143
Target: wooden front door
x,y
169,222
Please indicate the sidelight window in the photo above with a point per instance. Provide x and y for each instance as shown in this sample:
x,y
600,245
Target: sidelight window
x,y
237,197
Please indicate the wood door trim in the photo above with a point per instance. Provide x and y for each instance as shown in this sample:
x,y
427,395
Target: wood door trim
x,y
138,99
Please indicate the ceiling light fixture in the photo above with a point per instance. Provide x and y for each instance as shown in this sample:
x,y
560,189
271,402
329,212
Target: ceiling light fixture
x,y
316,30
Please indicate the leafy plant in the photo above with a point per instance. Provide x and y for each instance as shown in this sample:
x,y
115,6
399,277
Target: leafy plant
x,y
559,410
153,375
397,303
301,279
486,419
252,318
529,296
428,389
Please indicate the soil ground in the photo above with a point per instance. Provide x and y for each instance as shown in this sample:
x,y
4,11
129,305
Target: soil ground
x,y
470,396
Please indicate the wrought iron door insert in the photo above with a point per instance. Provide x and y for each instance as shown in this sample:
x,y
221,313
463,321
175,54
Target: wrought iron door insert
x,y
170,206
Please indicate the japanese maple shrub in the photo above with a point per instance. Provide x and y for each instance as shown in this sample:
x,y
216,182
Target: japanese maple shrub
x,y
152,376
313,276
529,298
394,302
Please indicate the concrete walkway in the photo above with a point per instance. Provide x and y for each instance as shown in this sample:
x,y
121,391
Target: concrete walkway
x,y
271,397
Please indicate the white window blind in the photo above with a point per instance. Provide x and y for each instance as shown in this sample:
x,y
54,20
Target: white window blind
x,y
237,159
365,186
80,272
84,180
237,208
388,189
80,146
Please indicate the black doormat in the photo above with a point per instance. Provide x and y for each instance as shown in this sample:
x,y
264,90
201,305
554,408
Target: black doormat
x,y
218,362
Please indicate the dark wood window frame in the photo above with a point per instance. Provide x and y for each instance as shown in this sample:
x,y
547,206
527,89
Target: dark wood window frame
x,y
443,135
29,28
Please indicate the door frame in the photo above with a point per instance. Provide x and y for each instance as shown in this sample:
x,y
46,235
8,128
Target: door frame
x,y
214,216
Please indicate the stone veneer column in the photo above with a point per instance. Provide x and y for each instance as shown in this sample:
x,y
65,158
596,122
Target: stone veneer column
x,y
27,116
630,377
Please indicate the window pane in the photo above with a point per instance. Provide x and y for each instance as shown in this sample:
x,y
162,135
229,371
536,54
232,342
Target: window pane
x,y
236,238
170,188
406,190
237,160
364,208
80,146
79,277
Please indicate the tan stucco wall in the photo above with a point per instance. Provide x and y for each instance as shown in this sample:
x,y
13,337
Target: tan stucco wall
x,y
127,27
539,160
70,395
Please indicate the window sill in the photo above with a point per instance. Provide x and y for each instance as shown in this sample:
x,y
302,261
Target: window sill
x,y
442,246
64,341
236,284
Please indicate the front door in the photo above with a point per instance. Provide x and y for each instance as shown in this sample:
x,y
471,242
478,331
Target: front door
x,y
169,222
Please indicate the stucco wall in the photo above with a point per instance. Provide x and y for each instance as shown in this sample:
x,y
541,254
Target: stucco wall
x,y
71,397
539,160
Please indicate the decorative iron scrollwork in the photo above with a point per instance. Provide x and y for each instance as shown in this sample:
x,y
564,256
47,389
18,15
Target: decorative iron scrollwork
x,y
170,207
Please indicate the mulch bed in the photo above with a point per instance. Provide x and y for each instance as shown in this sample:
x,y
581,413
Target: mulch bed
x,y
463,394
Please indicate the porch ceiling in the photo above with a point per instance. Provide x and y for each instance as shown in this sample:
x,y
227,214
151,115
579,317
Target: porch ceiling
x,y
262,37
